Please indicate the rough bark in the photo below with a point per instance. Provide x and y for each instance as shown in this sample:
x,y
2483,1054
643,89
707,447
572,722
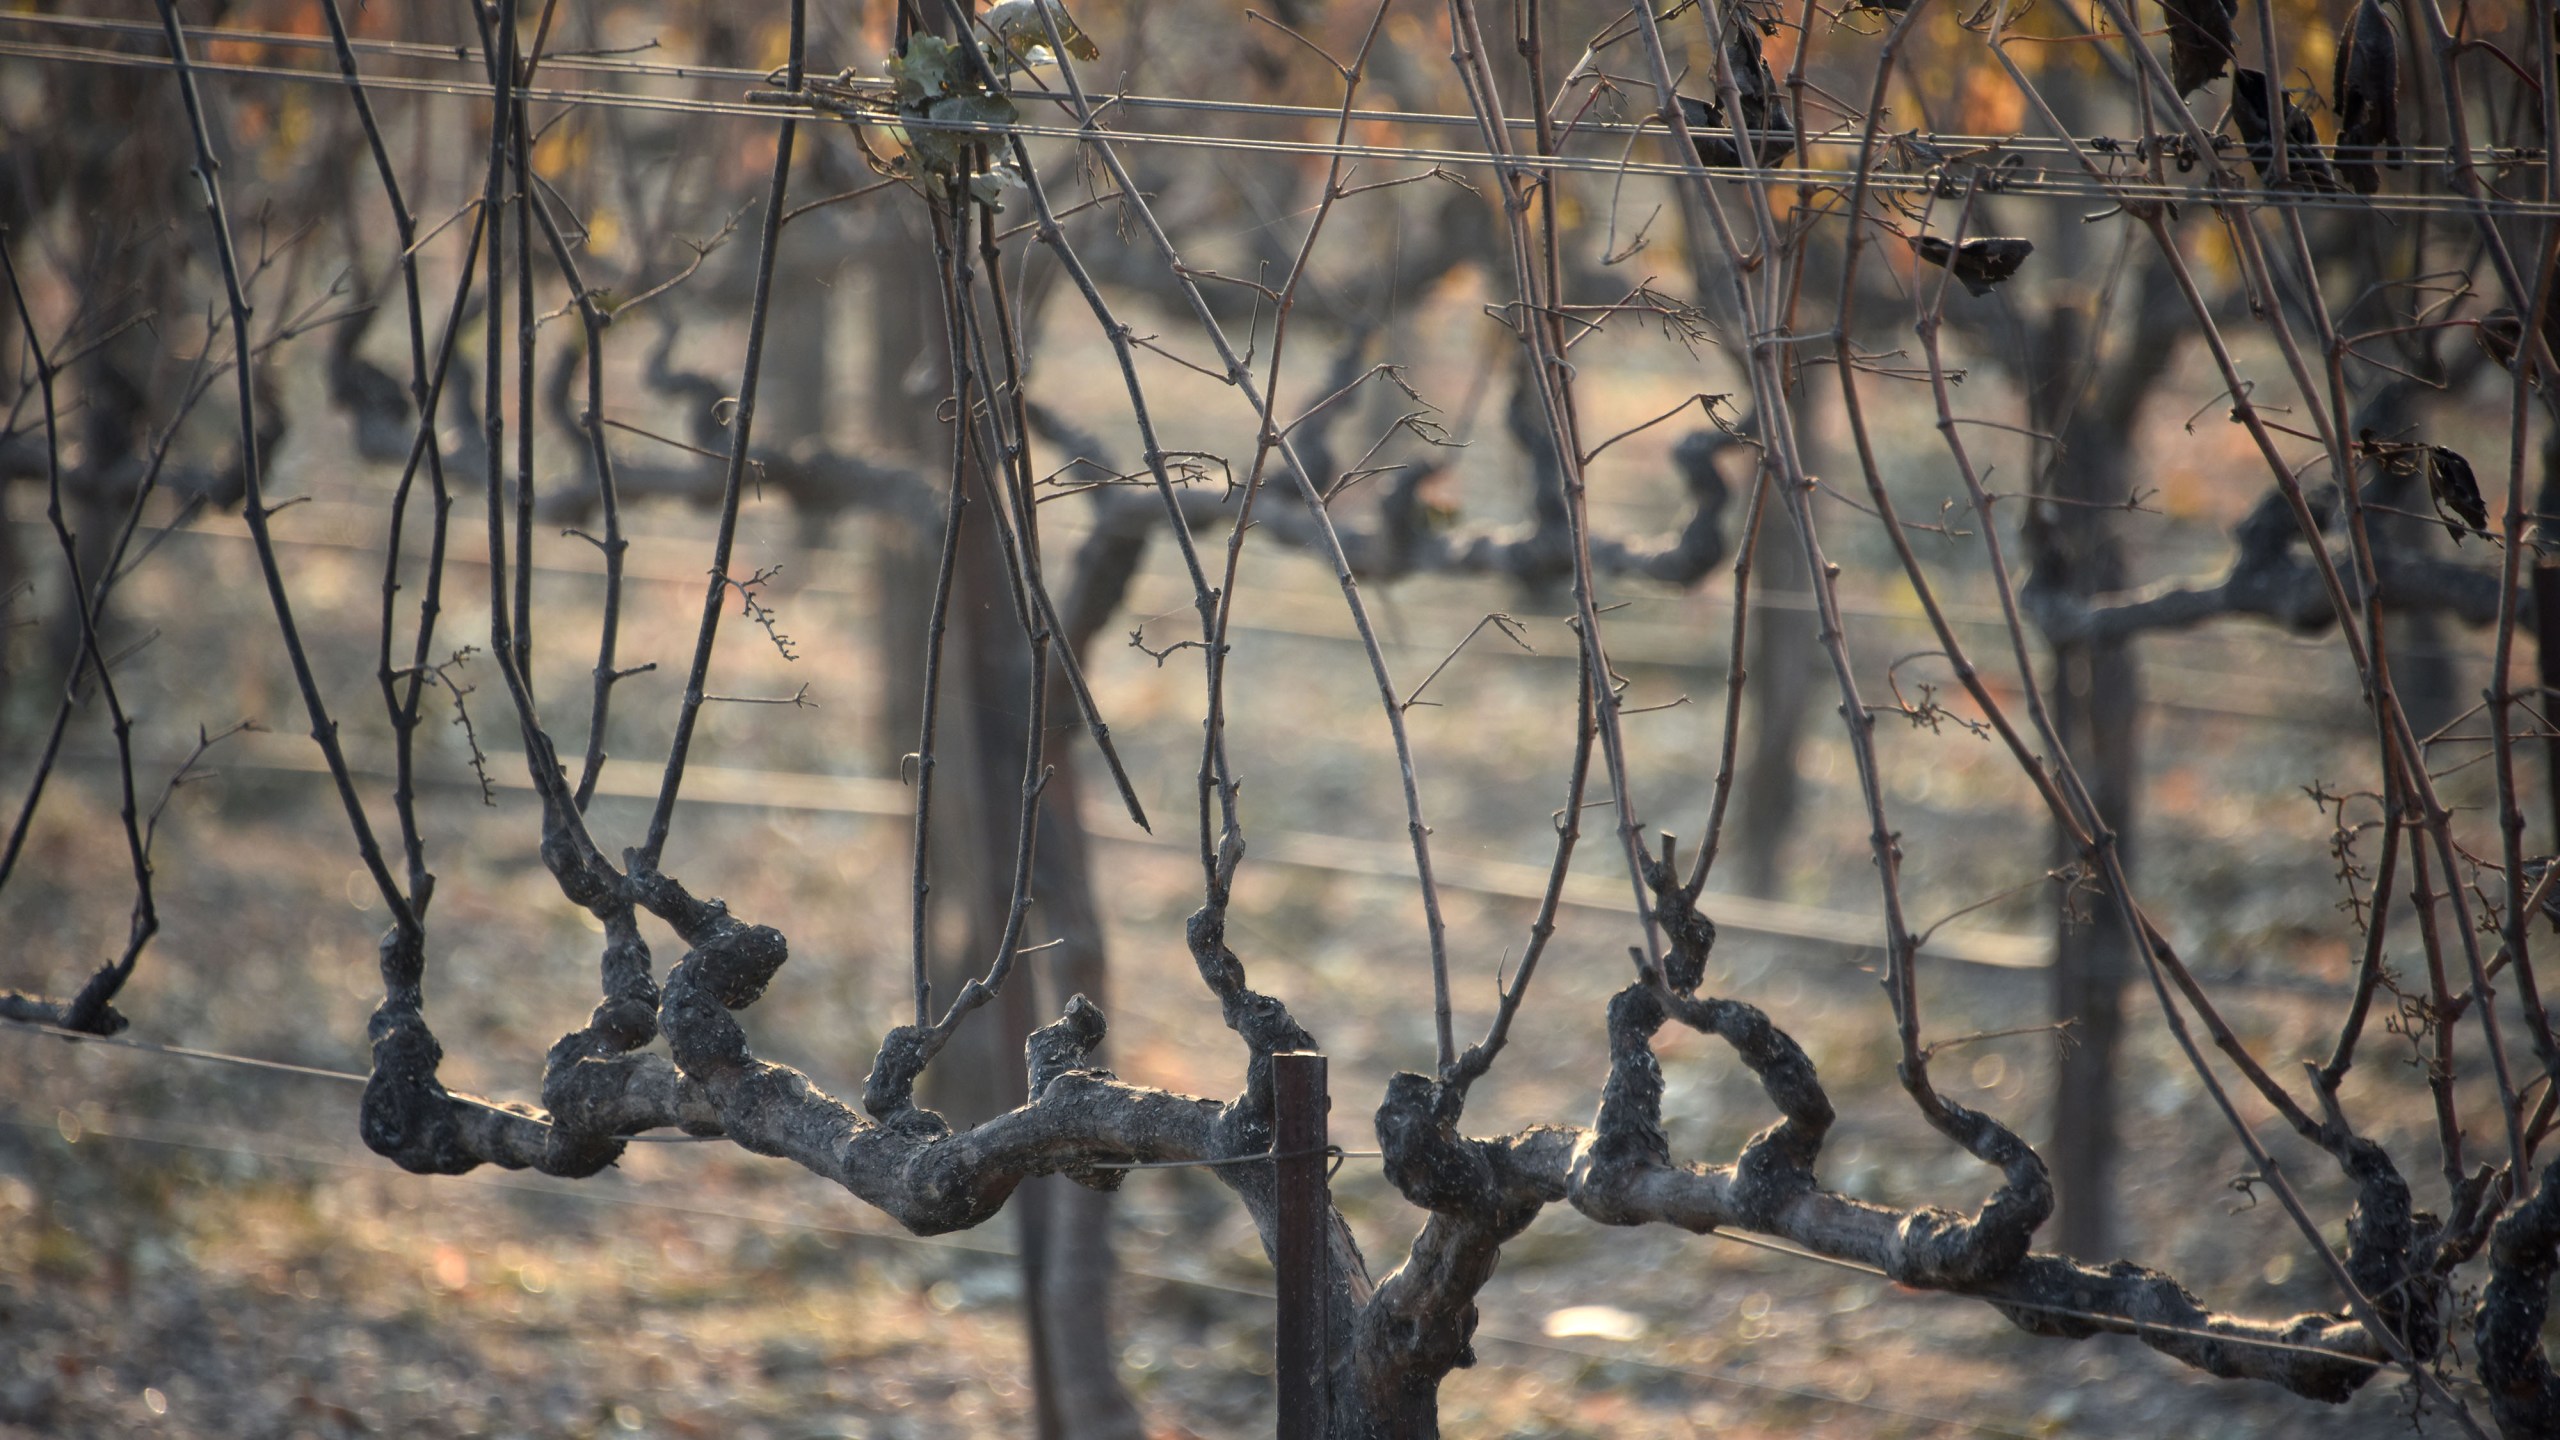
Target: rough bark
x,y
2524,1254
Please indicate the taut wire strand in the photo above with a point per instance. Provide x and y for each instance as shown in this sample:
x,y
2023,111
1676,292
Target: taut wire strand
x,y
2021,182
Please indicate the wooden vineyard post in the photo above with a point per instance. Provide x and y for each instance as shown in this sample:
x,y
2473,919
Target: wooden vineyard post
x,y
1298,1136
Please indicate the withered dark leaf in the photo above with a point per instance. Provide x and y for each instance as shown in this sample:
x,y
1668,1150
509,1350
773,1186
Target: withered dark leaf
x,y
2501,335
2366,86
2306,168
1773,137
2456,489
2200,40
1764,110
1742,48
1980,263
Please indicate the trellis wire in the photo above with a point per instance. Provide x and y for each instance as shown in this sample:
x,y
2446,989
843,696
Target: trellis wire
x,y
288,1067
474,61
2021,182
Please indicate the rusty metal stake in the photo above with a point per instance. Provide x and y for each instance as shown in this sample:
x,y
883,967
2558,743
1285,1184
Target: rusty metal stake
x,y
1299,1103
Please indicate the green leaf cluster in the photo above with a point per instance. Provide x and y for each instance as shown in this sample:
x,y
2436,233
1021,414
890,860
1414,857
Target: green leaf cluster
x,y
934,86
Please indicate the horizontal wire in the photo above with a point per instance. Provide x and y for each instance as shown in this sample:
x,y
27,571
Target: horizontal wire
x,y
2212,691
422,50
1757,1242
845,794
287,1067
2029,184
818,792
1334,1152
149,1047
429,52
2208,697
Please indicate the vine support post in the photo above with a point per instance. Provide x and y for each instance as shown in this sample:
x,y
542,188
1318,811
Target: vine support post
x,y
1298,1105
